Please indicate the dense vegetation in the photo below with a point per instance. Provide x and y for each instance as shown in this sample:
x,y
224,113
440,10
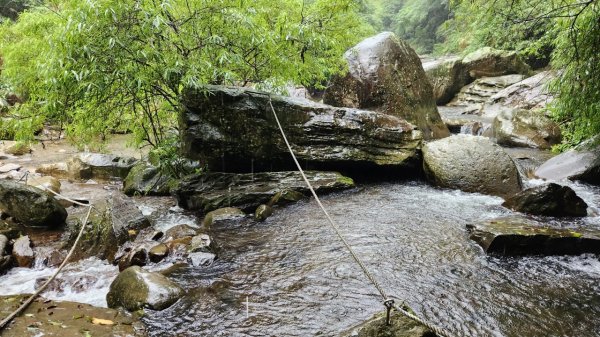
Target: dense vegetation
x,y
108,65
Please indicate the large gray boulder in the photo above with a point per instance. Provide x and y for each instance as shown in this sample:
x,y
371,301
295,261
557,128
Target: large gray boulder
x,y
99,166
135,288
210,191
472,164
447,76
489,62
582,165
512,236
233,130
30,205
525,128
549,200
386,75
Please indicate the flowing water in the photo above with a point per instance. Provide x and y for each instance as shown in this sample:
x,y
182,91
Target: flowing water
x,y
290,276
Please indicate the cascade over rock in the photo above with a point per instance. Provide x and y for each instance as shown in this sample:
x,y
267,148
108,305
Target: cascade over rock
x,y
386,75
233,130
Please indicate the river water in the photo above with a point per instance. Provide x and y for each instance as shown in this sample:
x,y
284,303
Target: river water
x,y
290,276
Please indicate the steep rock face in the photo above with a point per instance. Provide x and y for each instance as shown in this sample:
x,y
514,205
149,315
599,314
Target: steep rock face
x,y
471,164
482,89
234,130
550,200
525,128
30,205
447,77
386,75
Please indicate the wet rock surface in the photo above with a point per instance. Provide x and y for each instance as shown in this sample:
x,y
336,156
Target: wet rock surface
x,y
233,130
211,191
99,166
447,76
549,200
386,75
526,128
126,217
489,62
471,164
30,206
400,327
145,179
222,214
574,164
136,289
481,90
514,236
54,318
530,93
22,252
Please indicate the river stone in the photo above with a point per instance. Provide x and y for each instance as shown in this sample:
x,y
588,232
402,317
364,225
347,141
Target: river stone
x,y
530,93
513,236
386,75
549,200
126,216
471,164
52,318
99,166
285,197
234,130
400,327
489,62
135,288
138,256
526,128
447,76
145,179
202,259
223,214
209,191
30,205
9,167
202,243
158,253
573,165
44,183
180,231
57,170
22,252
3,244
263,212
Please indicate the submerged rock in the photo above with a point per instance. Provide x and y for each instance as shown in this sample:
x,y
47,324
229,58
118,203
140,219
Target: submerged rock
x,y
386,75
263,212
550,200
180,231
211,191
513,236
525,128
145,179
233,130
222,214
30,205
400,327
471,164
135,288
52,318
489,62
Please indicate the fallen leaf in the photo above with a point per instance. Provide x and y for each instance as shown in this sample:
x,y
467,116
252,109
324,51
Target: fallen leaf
x,y
99,321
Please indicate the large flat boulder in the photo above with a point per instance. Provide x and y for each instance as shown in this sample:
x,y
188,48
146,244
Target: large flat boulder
x,y
471,164
30,205
513,236
210,191
386,75
530,93
233,130
489,62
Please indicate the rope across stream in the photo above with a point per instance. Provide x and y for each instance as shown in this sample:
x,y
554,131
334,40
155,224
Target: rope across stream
x,y
388,302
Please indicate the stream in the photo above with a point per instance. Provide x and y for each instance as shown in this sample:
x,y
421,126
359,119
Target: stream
x,y
290,276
